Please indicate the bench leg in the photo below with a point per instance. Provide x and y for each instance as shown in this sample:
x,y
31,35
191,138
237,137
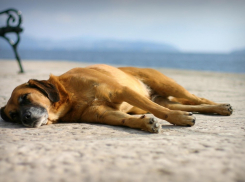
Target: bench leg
x,y
18,59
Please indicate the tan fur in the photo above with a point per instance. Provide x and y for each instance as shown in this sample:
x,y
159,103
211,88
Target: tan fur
x,y
105,94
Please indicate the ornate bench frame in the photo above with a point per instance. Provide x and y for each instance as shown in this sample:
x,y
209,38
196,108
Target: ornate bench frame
x,y
13,29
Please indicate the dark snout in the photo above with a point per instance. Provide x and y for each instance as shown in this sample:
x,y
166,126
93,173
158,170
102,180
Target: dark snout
x,y
33,116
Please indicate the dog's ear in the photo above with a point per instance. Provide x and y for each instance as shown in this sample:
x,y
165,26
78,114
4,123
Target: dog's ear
x,y
46,88
3,115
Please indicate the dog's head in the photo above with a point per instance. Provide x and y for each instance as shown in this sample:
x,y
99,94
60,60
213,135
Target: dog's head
x,y
30,102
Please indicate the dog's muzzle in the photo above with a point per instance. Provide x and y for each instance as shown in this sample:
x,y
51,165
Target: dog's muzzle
x,y
34,116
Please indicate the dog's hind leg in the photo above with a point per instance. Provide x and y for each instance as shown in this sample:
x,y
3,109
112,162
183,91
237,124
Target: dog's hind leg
x,y
184,100
167,87
222,109
164,86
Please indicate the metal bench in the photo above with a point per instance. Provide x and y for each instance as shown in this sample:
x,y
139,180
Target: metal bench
x,y
12,14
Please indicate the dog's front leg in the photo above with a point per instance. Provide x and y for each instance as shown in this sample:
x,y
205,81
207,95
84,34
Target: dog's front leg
x,y
180,118
114,117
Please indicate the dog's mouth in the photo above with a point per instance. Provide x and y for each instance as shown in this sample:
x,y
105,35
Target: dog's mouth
x,y
42,121
38,122
34,116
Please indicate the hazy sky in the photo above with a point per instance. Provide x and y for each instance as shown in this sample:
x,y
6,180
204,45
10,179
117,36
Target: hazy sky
x,y
190,25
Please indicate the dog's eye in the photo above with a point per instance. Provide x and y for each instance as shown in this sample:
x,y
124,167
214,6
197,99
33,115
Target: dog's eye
x,y
13,115
23,99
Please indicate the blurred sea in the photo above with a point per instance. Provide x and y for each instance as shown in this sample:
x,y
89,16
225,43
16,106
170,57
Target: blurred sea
x,y
192,61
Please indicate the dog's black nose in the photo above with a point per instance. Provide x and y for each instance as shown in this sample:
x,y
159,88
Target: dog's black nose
x,y
27,115
27,118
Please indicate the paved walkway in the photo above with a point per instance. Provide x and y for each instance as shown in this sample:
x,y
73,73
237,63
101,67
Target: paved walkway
x,y
211,151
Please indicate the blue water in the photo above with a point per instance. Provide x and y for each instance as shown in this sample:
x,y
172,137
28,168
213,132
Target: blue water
x,y
208,62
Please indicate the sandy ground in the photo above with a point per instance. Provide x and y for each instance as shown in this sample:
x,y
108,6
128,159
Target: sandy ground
x,y
212,150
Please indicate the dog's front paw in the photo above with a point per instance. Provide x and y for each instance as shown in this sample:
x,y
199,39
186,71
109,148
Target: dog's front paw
x,y
152,125
224,109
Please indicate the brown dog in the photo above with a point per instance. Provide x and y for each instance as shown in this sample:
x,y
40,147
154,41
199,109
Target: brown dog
x,y
104,94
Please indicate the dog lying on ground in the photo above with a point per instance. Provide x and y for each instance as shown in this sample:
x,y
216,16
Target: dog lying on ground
x,y
108,95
